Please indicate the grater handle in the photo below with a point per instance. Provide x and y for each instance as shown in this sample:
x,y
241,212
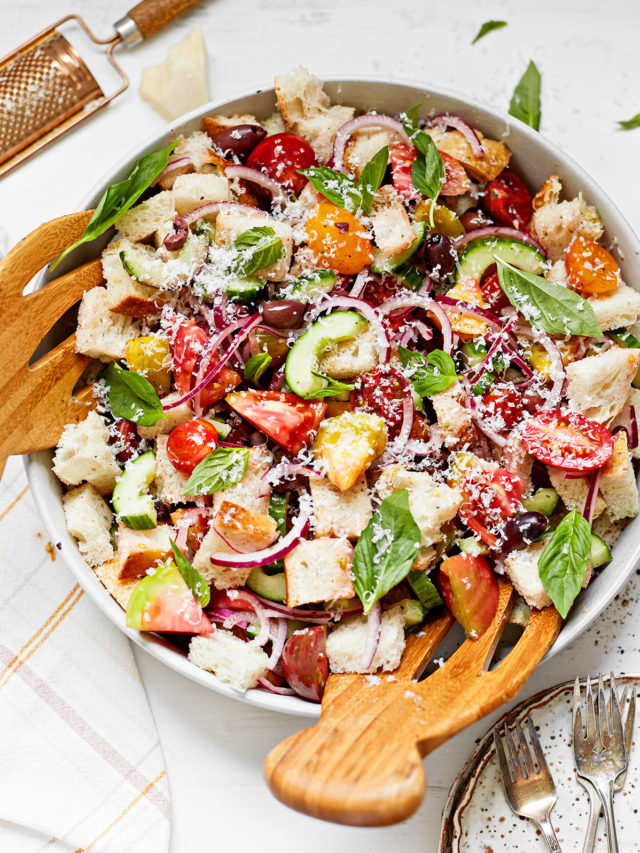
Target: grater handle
x,y
151,16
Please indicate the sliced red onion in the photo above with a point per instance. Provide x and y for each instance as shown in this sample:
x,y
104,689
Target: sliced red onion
x,y
374,627
416,300
362,279
367,311
633,428
278,639
592,495
472,405
257,177
467,309
360,123
558,374
498,343
289,470
275,688
499,231
412,330
459,124
174,166
213,207
425,448
273,608
278,380
220,306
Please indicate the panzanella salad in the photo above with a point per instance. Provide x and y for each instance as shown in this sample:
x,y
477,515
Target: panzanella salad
x,y
352,371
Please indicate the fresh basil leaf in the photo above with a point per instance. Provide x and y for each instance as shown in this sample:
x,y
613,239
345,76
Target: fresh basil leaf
x,y
425,589
256,366
430,375
220,469
564,562
546,305
332,389
255,249
525,102
335,186
630,123
118,198
371,177
192,577
131,396
488,27
386,550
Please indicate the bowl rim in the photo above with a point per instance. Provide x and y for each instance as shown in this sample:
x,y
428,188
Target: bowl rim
x,y
37,465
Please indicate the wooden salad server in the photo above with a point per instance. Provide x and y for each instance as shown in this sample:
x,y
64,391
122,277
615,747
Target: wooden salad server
x,y
361,764
37,399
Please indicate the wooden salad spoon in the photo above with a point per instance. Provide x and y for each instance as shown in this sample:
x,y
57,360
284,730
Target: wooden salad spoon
x,y
361,764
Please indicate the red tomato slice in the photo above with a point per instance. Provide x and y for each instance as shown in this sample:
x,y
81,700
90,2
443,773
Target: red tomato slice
x,y
284,418
470,591
490,497
280,156
504,406
305,664
493,295
508,201
189,443
381,392
456,180
233,599
164,602
186,350
568,440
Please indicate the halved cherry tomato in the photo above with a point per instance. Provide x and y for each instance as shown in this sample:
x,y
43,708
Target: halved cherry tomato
x,y
284,418
186,349
493,295
305,664
189,443
456,180
508,201
232,599
504,406
590,268
338,240
470,591
568,440
490,497
280,156
381,392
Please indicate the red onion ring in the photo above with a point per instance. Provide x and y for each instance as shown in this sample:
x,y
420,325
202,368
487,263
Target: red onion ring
x,y
416,300
289,470
362,279
499,231
173,166
278,380
592,495
459,124
277,643
274,688
212,207
374,628
467,309
498,342
360,123
257,177
368,312
472,406
633,428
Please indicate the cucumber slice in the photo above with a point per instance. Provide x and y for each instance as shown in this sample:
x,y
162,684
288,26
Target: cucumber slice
x,y
473,353
412,611
273,587
382,264
245,290
520,613
600,553
304,354
479,254
145,265
624,338
425,589
131,500
473,546
310,285
544,501
223,429
278,505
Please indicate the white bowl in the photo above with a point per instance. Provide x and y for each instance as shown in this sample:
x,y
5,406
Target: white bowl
x,y
535,158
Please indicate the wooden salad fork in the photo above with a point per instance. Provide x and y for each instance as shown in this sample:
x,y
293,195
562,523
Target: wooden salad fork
x,y
361,764
37,399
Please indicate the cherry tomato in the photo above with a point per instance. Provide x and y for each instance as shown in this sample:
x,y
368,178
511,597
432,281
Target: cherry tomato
x,y
504,406
490,497
186,349
381,392
456,180
280,156
284,418
189,443
590,268
567,440
493,295
305,664
338,240
470,591
233,599
508,200
126,440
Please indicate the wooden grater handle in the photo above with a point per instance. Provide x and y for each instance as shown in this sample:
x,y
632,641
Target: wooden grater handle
x,y
151,16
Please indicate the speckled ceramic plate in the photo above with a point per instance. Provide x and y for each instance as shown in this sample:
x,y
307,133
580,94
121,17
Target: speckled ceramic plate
x,y
477,817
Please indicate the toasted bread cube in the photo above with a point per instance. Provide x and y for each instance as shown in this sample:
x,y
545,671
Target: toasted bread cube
x,y
253,492
126,296
176,416
305,108
233,661
618,309
222,577
84,453
109,574
346,644
618,482
573,492
608,529
89,519
244,529
364,145
340,513
349,359
555,223
192,191
598,386
391,224
151,218
170,483
101,333
516,458
231,223
319,570
522,569
454,418
140,550
623,418
483,169
212,125
432,504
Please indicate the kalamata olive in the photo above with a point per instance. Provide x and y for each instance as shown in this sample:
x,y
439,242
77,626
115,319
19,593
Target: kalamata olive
x,y
475,218
523,529
176,239
439,254
283,313
162,511
239,141
126,440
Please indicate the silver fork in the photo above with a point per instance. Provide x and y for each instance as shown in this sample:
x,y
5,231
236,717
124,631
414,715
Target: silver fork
x,y
600,751
530,791
595,805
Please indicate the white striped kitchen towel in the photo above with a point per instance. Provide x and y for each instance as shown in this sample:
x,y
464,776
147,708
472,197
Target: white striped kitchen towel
x,y
81,766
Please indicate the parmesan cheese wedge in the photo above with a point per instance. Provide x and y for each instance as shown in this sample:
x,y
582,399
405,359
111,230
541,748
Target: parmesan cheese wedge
x,y
181,82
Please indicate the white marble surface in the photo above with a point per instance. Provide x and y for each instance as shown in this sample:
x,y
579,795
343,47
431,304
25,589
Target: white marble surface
x,y
588,56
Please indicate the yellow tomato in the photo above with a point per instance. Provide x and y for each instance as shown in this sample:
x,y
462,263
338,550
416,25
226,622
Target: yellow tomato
x,y
346,446
466,290
150,357
338,240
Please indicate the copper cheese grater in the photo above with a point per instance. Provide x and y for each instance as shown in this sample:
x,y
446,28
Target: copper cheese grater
x,y
46,89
